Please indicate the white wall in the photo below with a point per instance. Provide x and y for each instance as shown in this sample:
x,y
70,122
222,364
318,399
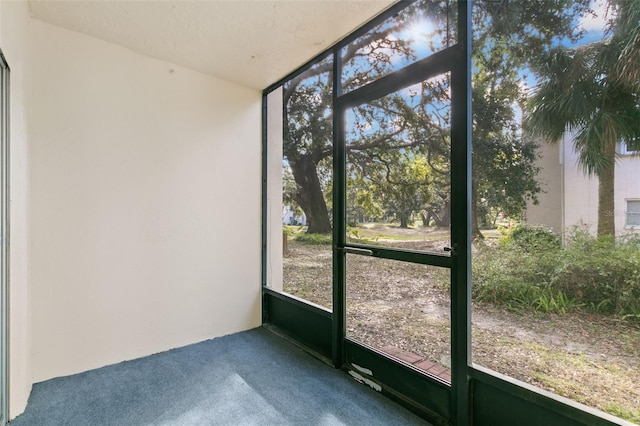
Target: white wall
x,y
627,187
145,198
274,190
581,192
14,30
561,174
548,211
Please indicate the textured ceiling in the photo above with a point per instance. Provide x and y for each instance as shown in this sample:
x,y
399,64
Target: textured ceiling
x,y
253,43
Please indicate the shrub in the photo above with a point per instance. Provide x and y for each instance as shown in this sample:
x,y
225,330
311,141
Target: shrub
x,y
518,279
314,239
529,269
292,229
533,238
601,272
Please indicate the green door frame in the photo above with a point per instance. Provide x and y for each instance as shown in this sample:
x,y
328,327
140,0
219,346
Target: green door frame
x,y
280,310
455,60
4,240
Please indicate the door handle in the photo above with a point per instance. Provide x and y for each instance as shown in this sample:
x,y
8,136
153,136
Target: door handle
x,y
353,250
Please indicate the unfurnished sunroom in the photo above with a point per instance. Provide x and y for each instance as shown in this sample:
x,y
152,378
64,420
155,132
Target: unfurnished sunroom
x,y
351,176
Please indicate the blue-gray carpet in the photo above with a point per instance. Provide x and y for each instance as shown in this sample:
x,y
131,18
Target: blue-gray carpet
x,y
248,378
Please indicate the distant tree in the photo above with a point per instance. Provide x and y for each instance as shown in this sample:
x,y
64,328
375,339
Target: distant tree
x,y
403,188
307,142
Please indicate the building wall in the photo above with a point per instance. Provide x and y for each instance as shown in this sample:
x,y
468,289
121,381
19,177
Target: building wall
x,y
571,197
580,192
14,38
627,187
548,211
274,236
145,200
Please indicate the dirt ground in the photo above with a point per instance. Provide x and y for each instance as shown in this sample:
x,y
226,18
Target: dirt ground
x,y
589,358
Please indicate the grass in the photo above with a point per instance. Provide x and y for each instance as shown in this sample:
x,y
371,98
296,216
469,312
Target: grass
x,y
389,232
380,235
313,239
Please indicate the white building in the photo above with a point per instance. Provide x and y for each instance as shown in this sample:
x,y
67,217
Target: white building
x,y
289,217
570,197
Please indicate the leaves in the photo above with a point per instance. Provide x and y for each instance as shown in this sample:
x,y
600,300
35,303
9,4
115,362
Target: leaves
x,y
393,132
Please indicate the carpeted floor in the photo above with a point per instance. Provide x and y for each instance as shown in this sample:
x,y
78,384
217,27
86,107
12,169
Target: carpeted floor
x,y
248,378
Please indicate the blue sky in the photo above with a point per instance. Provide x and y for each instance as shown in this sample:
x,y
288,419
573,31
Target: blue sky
x,y
595,25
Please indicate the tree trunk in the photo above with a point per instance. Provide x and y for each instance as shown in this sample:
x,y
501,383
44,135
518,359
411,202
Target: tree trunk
x,y
426,218
404,222
606,186
310,196
445,215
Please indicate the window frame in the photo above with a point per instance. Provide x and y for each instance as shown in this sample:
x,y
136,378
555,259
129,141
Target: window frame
x,y
633,213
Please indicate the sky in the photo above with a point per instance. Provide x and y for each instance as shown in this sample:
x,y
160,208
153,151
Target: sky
x,y
595,25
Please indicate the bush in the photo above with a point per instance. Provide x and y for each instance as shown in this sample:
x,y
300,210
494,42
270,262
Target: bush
x,y
533,238
314,239
291,229
511,276
602,272
529,269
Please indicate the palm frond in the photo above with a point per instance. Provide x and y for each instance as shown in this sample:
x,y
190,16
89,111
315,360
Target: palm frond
x,y
626,35
567,96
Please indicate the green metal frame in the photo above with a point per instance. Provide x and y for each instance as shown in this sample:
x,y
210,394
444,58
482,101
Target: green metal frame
x,y
308,324
4,240
450,60
426,396
339,220
476,395
461,219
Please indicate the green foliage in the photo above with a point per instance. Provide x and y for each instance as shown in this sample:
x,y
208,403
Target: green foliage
x,y
507,38
404,188
293,232
387,137
529,269
314,239
533,238
353,235
602,272
291,229
550,300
